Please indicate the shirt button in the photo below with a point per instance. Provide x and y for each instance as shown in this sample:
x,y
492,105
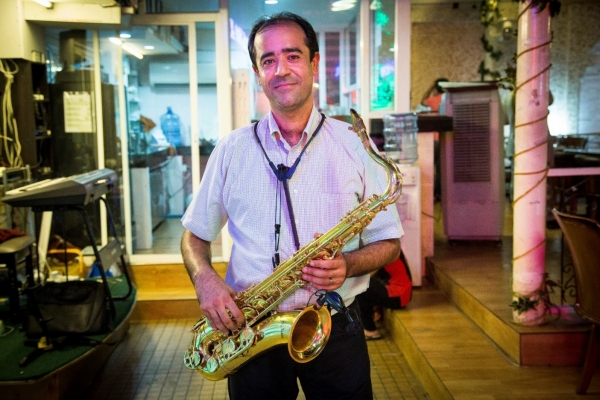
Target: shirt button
x,y
295,190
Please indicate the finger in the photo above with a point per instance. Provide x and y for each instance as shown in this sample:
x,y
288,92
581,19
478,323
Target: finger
x,y
236,315
216,323
228,320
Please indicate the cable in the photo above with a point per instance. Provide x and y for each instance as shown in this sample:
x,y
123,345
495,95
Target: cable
x,y
10,132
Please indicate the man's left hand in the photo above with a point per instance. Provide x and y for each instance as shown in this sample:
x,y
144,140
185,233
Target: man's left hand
x,y
327,274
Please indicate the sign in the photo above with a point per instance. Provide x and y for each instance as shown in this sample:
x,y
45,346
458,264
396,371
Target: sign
x,y
78,112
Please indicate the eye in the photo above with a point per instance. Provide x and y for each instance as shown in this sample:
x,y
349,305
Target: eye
x,y
267,62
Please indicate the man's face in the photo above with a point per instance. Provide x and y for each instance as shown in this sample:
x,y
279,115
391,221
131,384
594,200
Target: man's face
x,y
285,71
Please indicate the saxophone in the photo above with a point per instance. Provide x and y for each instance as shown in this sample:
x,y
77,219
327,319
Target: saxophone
x,y
215,355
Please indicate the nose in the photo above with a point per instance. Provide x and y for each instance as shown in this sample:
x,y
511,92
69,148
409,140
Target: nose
x,y
282,68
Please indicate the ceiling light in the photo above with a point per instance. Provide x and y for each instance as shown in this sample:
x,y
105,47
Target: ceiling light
x,y
126,47
45,3
132,51
271,1
341,5
148,47
124,35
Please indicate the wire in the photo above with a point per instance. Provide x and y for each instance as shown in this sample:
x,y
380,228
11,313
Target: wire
x,y
8,331
10,132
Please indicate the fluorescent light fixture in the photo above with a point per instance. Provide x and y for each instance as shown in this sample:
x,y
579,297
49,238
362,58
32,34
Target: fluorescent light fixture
x,y
132,51
271,1
341,5
124,35
45,3
126,47
148,47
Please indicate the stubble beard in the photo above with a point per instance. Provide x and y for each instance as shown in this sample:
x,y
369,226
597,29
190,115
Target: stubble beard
x,y
288,102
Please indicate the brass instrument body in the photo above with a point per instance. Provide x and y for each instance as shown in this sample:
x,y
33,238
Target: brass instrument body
x,y
215,355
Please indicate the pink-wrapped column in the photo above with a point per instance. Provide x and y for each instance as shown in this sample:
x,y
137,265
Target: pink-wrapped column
x,y
530,160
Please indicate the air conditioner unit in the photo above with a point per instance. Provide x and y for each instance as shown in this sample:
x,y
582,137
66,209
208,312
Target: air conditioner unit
x,y
472,163
178,73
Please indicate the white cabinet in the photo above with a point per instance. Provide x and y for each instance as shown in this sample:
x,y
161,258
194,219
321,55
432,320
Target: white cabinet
x,y
157,193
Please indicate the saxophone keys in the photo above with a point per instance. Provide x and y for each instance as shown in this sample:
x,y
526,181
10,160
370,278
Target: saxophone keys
x,y
211,365
247,337
187,360
196,357
228,348
192,359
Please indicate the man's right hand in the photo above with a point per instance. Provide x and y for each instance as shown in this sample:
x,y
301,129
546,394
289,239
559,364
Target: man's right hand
x,y
217,303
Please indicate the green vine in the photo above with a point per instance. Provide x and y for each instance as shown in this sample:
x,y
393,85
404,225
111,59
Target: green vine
x,y
523,304
495,54
489,13
528,302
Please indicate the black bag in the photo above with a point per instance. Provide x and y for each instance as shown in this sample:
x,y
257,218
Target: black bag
x,y
68,308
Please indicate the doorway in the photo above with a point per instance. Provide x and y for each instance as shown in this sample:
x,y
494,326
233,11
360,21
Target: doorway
x,y
170,81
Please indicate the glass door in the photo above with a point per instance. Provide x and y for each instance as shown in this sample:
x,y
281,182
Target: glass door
x,y
170,81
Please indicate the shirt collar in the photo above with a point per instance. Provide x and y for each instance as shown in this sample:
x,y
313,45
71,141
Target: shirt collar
x,y
309,129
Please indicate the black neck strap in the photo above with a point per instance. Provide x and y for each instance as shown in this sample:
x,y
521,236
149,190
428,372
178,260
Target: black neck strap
x,y
283,173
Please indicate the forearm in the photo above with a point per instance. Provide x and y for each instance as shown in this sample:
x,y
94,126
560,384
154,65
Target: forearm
x,y
215,296
196,256
371,257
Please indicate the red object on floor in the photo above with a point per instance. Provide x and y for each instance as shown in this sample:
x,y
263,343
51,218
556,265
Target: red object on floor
x,y
399,283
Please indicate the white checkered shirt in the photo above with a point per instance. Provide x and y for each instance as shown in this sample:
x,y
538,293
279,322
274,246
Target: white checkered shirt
x,y
238,187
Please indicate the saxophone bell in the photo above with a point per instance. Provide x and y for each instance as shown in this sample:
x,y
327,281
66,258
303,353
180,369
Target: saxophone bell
x,y
309,333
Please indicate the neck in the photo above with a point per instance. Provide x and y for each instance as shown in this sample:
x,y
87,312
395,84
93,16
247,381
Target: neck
x,y
292,124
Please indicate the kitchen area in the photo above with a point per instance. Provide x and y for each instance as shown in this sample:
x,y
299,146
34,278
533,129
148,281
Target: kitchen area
x,y
158,127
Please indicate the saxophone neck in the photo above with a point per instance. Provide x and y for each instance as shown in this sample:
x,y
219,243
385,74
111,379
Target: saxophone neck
x,y
394,188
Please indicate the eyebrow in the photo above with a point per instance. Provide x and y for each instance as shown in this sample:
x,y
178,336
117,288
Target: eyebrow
x,y
284,50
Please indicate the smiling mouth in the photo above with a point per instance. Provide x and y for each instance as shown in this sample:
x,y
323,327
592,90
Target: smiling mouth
x,y
283,85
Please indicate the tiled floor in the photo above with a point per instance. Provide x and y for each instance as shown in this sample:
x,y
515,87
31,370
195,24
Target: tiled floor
x,y
148,365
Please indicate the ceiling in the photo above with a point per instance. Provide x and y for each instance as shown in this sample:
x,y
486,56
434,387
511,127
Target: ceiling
x,y
244,13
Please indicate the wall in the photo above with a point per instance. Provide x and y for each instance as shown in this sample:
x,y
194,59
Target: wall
x,y
575,33
445,42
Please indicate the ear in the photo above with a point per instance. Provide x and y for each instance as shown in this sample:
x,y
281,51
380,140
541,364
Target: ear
x,y
315,63
258,78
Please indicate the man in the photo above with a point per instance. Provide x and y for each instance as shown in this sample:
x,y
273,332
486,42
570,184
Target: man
x,y
240,187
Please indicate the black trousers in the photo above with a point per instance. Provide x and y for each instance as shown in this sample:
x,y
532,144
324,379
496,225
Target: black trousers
x,y
341,371
375,295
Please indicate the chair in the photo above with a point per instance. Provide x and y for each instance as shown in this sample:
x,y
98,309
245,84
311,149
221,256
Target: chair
x,y
583,239
13,253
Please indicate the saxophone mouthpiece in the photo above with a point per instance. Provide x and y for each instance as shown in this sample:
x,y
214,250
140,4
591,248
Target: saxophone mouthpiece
x,y
359,128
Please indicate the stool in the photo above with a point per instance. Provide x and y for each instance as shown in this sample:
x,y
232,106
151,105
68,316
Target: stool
x,y
64,252
13,252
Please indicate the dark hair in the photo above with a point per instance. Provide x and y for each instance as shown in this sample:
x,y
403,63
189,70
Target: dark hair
x,y
310,37
437,84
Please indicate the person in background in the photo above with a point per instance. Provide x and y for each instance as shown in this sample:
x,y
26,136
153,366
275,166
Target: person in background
x,y
433,97
242,188
389,287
